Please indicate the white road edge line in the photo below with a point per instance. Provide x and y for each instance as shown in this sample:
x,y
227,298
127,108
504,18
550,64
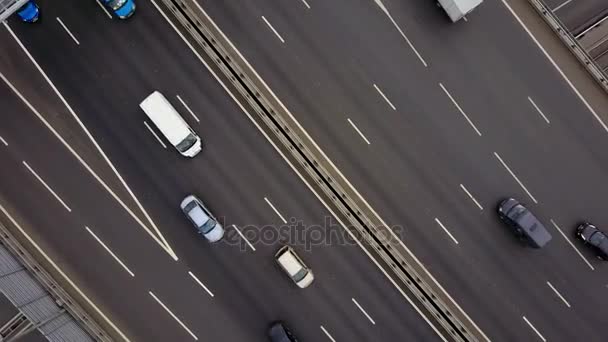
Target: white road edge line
x,y
471,196
572,245
200,283
162,242
60,271
188,108
104,9
515,177
538,109
558,294
306,4
173,315
561,5
533,328
384,97
297,172
446,230
385,10
580,96
358,131
275,210
68,31
109,251
363,311
327,334
3,141
273,30
47,187
243,237
155,135
459,109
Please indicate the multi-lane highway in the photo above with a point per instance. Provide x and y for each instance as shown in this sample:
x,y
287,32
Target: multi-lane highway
x,y
435,133
432,122
57,187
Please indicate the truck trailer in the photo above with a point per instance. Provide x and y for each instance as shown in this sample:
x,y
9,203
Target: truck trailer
x,y
457,9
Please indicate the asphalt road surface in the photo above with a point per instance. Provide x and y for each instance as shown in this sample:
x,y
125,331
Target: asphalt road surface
x,y
104,68
435,137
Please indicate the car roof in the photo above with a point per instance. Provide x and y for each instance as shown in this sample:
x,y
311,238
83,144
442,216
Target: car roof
x,y
289,261
533,228
277,332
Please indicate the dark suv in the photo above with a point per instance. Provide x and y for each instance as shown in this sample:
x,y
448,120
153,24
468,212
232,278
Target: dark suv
x,y
595,238
278,332
526,226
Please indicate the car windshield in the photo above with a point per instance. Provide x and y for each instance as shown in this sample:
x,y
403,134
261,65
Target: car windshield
x,y
300,275
208,226
187,143
115,4
598,239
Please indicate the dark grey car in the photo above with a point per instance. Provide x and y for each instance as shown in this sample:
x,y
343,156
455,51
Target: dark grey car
x,y
523,222
278,332
594,238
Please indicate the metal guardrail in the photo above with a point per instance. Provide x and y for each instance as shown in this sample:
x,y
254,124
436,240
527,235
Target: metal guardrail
x,y
408,271
61,297
571,42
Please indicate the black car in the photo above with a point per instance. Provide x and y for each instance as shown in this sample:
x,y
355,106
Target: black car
x,y
595,238
526,226
278,332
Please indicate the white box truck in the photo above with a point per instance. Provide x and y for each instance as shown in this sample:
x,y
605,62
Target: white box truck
x,y
457,9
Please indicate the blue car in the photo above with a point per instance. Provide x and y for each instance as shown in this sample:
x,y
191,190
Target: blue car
x,y
29,13
123,9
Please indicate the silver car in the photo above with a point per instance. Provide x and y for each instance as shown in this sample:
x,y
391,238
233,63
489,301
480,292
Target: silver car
x,y
202,219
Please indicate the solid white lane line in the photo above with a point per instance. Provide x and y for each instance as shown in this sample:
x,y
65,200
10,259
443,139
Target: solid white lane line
x,y
558,294
173,315
200,283
580,96
109,251
47,187
533,328
358,131
159,238
188,108
155,135
68,31
297,171
363,311
390,17
60,271
273,30
104,9
572,245
562,5
327,334
3,141
446,230
275,210
460,109
538,110
515,177
384,97
243,237
471,196
306,4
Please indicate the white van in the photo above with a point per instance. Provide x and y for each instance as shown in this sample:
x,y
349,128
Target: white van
x,y
295,268
171,124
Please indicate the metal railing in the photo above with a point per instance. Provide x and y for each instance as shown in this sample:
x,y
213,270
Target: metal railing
x,y
59,295
564,34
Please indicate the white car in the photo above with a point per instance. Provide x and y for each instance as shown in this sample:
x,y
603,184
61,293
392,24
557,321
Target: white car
x,y
295,268
202,219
